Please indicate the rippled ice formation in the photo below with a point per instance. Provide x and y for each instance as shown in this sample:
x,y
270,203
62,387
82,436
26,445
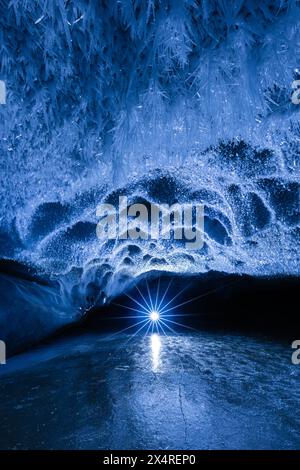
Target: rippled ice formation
x,y
191,391
251,227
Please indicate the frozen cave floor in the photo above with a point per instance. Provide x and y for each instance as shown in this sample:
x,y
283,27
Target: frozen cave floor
x,y
198,390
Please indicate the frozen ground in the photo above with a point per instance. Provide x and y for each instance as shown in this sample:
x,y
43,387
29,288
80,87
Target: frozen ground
x,y
198,391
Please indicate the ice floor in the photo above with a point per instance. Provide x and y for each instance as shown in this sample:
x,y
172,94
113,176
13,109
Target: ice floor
x,y
190,391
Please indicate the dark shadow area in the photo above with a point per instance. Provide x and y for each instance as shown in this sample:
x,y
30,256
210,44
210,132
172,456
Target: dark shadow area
x,y
212,301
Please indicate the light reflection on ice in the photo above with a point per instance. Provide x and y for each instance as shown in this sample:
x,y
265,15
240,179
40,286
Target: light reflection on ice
x,y
155,351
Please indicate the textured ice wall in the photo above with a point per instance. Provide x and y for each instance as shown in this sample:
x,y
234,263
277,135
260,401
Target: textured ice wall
x,y
251,226
118,87
167,101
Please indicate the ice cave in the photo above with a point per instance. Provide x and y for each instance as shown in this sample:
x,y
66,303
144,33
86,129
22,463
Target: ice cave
x,y
142,343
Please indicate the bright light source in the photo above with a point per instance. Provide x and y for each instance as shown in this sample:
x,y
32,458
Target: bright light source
x,y
154,315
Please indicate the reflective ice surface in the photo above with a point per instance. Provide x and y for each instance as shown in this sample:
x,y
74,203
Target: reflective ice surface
x,y
206,391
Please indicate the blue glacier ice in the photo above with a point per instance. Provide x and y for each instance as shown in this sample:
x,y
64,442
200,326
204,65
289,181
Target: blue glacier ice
x,y
163,101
